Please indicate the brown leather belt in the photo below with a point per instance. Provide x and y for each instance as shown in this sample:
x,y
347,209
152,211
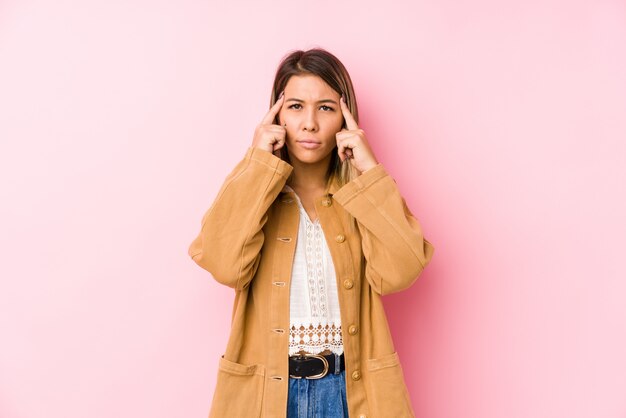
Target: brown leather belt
x,y
314,366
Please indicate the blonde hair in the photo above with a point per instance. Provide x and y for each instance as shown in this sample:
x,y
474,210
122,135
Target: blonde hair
x,y
319,62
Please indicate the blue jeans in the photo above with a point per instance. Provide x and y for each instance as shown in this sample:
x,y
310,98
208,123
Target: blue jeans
x,y
318,398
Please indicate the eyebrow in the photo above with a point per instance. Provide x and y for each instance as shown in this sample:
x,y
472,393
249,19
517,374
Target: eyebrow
x,y
293,99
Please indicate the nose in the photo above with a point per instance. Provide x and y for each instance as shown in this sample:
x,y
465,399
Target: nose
x,y
310,121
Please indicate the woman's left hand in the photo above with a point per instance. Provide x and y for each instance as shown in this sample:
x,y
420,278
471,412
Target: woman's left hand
x,y
352,143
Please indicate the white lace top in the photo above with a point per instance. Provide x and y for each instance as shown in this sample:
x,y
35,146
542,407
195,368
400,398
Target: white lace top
x,y
315,321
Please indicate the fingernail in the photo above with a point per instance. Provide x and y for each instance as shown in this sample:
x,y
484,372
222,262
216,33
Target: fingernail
x,y
343,97
281,94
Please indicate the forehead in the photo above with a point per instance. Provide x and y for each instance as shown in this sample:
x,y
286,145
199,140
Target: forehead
x,y
308,86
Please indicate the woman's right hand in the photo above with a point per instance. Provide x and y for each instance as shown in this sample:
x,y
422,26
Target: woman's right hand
x,y
267,135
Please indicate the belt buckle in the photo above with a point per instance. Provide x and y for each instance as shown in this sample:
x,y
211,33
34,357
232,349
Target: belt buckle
x,y
316,376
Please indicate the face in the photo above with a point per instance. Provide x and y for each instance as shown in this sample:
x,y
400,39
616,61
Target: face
x,y
313,117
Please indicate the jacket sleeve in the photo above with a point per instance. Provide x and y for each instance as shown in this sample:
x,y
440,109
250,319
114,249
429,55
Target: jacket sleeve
x,y
231,236
393,244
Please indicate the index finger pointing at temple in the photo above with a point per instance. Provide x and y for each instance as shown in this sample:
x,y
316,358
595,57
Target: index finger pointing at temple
x,y
271,114
350,122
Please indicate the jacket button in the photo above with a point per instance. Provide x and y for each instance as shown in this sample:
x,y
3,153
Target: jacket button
x,y
327,202
356,375
348,284
340,238
352,330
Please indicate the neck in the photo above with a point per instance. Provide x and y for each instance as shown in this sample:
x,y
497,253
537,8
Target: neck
x,y
309,176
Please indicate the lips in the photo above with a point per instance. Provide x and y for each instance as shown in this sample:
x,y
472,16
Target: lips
x,y
308,143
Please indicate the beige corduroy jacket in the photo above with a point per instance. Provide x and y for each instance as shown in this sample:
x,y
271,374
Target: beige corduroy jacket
x,y
247,241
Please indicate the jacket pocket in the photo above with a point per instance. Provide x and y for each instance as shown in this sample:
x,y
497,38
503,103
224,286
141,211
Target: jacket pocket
x,y
387,394
238,391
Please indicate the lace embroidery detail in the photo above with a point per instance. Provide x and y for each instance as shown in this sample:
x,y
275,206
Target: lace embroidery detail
x,y
315,339
315,272
315,322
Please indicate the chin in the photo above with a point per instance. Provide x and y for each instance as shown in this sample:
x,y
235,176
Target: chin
x,y
308,159
309,156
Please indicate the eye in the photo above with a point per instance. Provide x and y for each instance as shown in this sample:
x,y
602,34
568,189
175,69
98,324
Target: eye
x,y
324,107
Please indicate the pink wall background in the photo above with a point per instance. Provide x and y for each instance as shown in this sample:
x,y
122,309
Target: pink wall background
x,y
502,122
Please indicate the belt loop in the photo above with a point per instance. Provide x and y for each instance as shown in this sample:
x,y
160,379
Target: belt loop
x,y
337,364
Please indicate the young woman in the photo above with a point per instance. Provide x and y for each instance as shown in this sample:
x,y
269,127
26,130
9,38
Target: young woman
x,y
310,231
